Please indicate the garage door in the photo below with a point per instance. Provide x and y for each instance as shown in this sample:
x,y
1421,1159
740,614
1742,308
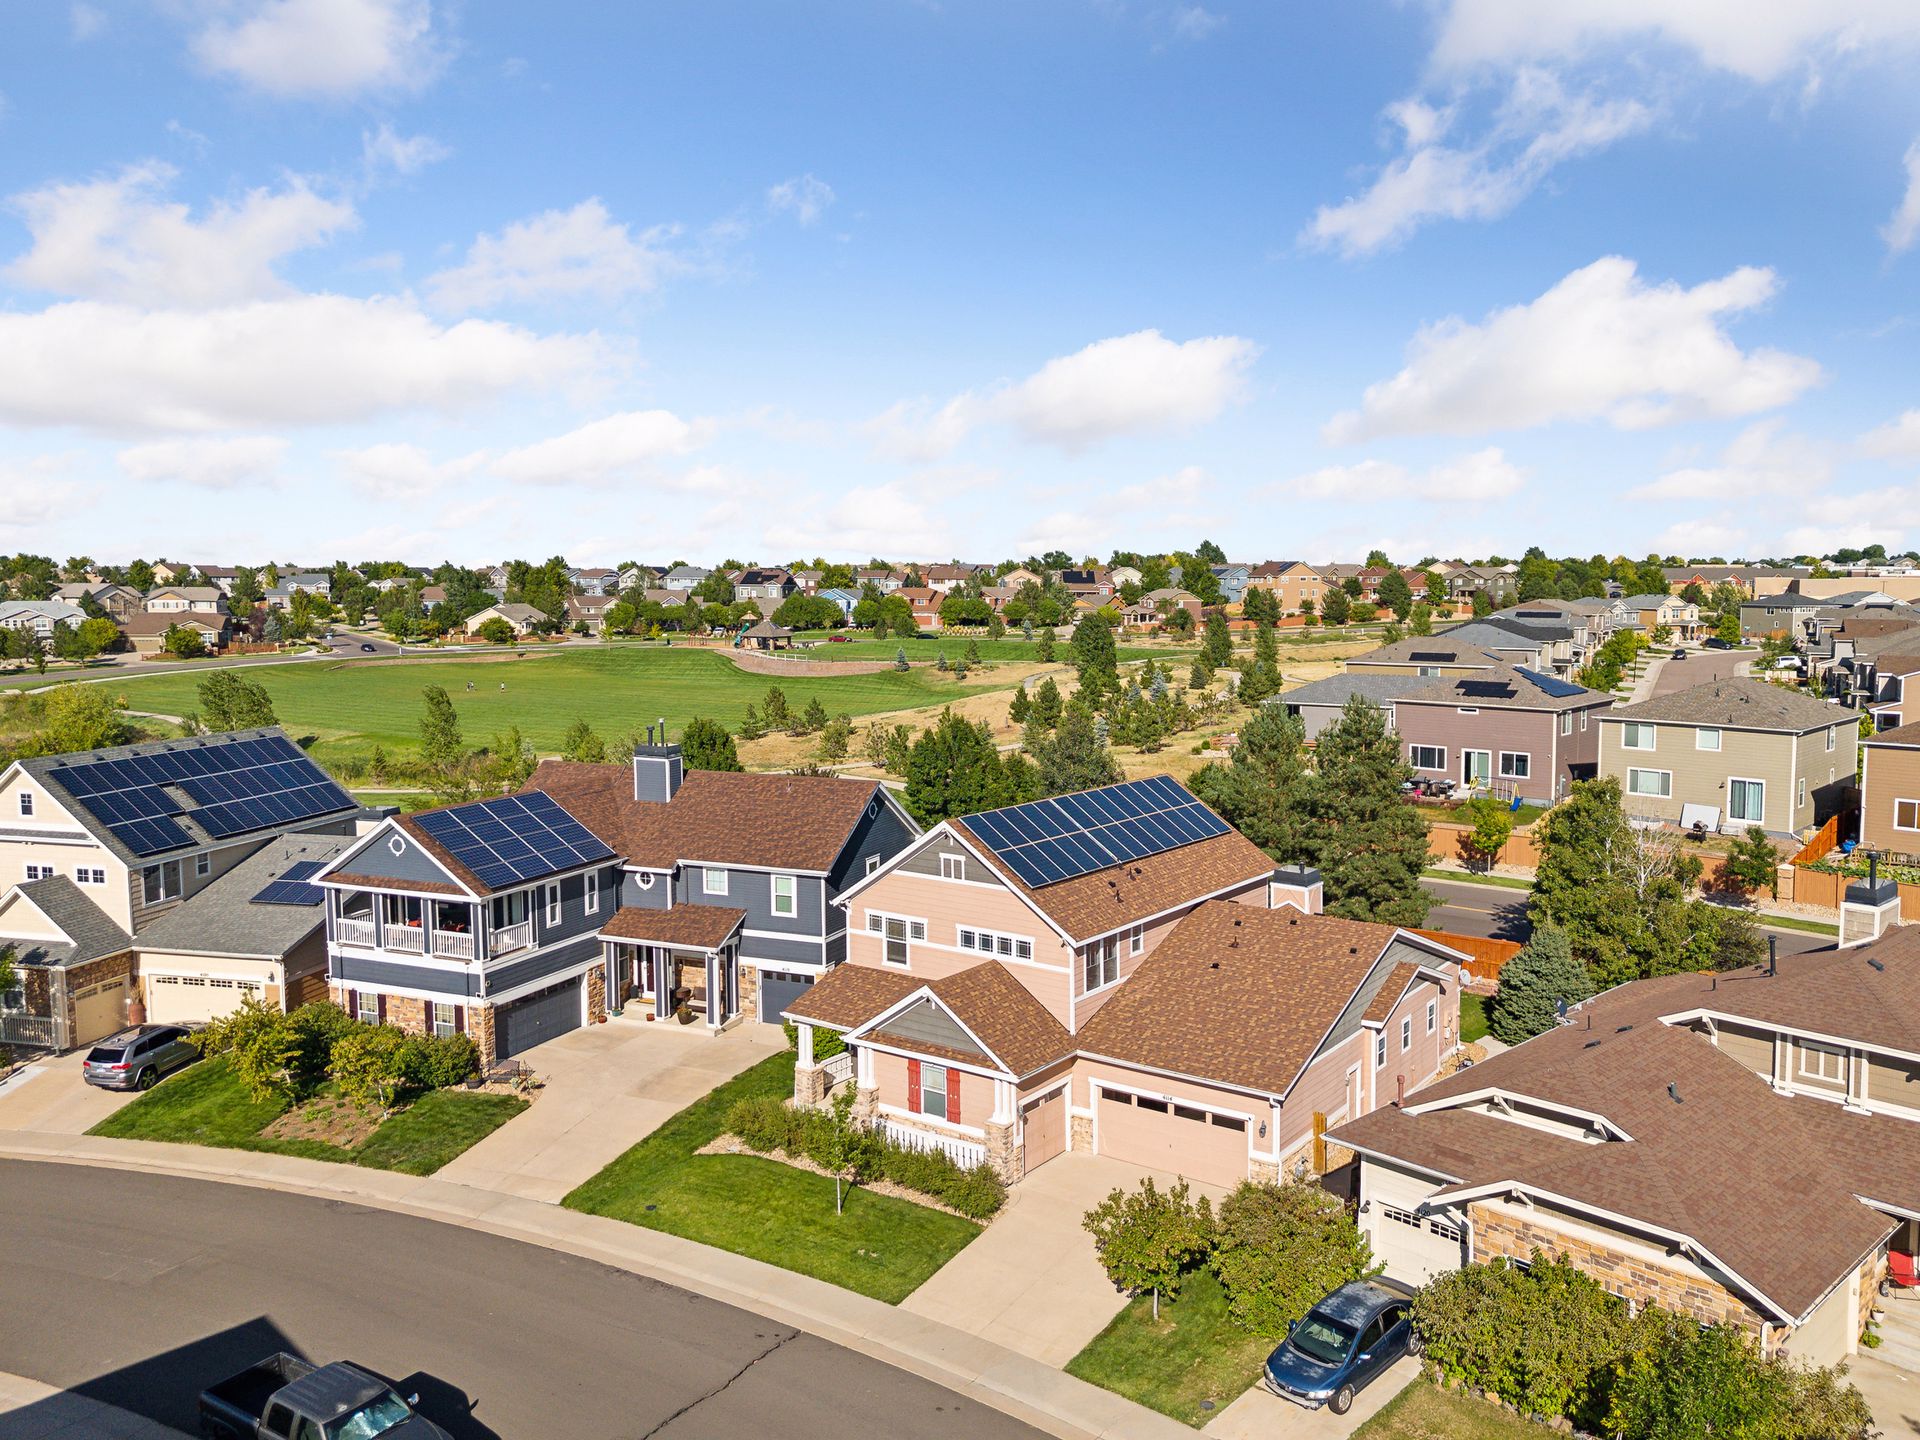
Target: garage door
x,y
1413,1247
1044,1126
99,1010
1164,1135
541,1016
778,991
181,999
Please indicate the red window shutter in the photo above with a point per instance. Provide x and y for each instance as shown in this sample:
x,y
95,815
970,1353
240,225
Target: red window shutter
x,y
380,1008
913,1086
953,1096
459,1020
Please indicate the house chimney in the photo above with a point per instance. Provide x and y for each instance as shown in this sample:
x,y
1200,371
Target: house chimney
x,y
658,768
1870,907
1295,885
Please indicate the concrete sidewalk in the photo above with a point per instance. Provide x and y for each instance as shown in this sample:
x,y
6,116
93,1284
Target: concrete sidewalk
x,y
1015,1384
32,1411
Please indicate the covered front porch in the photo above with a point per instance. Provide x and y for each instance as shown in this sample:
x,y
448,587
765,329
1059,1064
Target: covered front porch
x,y
681,963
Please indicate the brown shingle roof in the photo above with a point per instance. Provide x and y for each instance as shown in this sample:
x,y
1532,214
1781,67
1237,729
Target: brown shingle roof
x,y
1455,652
699,927
1907,734
1735,703
850,995
387,882
1237,994
779,822
1523,690
1390,992
1010,1022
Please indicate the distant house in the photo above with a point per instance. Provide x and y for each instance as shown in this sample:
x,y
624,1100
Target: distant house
x,y
808,581
523,618
1430,655
1233,580
1680,616
886,581
1094,584
1152,608
146,630
180,599
589,610
1294,584
165,572
1318,705
1775,615
596,580
1750,580
947,577
1123,575
1529,646
925,604
1021,575
763,583
684,578
119,601
641,575
1515,733
38,617
845,599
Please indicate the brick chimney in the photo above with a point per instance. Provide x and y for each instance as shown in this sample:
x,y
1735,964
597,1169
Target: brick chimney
x,y
1295,885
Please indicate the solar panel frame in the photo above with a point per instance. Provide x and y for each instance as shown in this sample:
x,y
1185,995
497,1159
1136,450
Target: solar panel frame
x,y
291,886
1102,828
508,840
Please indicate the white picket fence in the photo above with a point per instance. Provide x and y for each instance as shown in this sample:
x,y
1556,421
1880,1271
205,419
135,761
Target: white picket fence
x,y
964,1153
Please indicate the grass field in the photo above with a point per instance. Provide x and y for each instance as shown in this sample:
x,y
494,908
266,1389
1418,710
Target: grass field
x,y
1011,648
1473,1016
351,706
1426,1412
1193,1354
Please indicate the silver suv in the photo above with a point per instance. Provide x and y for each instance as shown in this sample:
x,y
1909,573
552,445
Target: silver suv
x,y
135,1059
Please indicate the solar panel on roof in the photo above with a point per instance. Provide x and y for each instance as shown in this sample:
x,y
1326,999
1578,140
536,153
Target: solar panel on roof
x,y
1552,685
1486,689
291,887
513,839
229,788
1431,655
1046,841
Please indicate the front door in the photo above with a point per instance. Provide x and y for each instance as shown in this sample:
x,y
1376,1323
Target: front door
x,y
1044,1129
1476,766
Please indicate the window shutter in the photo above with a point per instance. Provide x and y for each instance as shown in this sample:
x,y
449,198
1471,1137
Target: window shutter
x,y
913,1086
459,1020
953,1096
380,1010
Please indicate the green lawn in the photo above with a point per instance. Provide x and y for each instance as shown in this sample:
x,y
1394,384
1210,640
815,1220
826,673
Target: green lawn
x,y
880,1247
206,1105
1193,1354
1008,648
1473,1016
1426,1412
1474,877
351,706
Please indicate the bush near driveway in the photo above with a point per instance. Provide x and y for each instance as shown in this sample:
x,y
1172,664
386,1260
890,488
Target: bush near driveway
x,y
1278,1249
290,1056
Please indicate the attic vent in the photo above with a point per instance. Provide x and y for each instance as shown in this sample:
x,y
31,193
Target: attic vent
x,y
1293,920
1871,961
1590,1044
1353,949
1673,1093
1622,1029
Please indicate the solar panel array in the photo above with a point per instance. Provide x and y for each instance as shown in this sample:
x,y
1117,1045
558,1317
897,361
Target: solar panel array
x,y
513,839
229,789
1431,655
291,887
1486,689
1046,841
1552,684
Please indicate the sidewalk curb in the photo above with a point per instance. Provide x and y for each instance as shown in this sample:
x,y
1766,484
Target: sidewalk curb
x,y
1014,1384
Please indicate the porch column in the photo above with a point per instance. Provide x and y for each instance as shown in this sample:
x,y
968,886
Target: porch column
x,y
716,1000
662,981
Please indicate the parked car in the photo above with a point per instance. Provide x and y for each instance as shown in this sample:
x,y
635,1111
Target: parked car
x,y
135,1059
1343,1342
1714,642
283,1396
839,639
367,645
1790,662
1679,654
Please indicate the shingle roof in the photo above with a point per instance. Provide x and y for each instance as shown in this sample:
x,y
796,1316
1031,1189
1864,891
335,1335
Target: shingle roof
x,y
1238,994
1402,652
700,927
91,933
850,995
223,918
1524,690
1338,689
1391,989
1020,1032
779,822
1899,735
1737,703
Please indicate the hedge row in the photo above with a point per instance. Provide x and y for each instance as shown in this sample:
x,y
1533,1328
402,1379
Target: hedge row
x,y
294,1054
769,1123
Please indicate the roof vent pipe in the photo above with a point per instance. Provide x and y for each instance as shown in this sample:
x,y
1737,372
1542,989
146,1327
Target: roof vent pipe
x,y
1773,955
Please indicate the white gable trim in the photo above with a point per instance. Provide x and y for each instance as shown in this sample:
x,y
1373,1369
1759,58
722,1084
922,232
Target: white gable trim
x,y
905,1002
389,826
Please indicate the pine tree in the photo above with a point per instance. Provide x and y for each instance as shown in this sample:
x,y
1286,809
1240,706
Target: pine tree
x,y
1021,706
706,745
900,660
1075,757
1219,641
973,653
1095,657
1044,648
814,720
1336,607
1372,844
1201,675
1047,704
954,769
1265,790
1266,649
1532,984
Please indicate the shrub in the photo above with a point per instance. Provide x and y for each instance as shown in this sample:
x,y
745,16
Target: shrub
x,y
1533,984
1684,1380
1280,1248
826,1043
1148,1238
369,1064
433,1062
764,1123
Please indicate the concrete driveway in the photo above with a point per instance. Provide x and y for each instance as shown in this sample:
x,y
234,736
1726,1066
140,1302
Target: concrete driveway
x,y
1892,1393
1031,1282
1258,1415
50,1097
605,1088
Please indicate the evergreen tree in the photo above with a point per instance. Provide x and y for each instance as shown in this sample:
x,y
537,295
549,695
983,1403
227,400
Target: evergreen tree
x,y
900,660
1266,649
1047,704
1396,594
1021,706
706,745
1543,975
1043,650
1075,757
1219,640
1421,619
1095,657
1259,682
954,769
774,709
1201,675
1336,607
1372,844
814,719
1265,790
1482,606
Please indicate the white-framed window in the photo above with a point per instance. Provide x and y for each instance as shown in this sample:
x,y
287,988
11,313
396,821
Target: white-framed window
x,y
1515,764
593,893
442,1019
1433,1015
933,1090
1636,737
367,1005
1380,1048
1101,965
1833,736
1906,814
202,866
1428,672
26,802
14,999
1822,1062
786,895
896,932
1401,1217
1706,738
1747,801
1583,720
646,880
1136,939
1427,757
953,867
553,903
1650,782
39,872
1406,1034
1801,798
160,882
1566,722
873,863
90,875
992,942
713,880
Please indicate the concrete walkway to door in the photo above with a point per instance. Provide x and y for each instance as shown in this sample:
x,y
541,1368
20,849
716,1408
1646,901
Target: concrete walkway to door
x,y
1031,1282
603,1089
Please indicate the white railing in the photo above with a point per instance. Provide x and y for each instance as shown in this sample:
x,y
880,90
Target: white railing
x,y
454,944
353,932
410,938
839,1068
964,1153
508,938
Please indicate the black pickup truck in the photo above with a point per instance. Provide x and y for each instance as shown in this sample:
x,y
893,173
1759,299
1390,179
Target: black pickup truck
x,y
285,1398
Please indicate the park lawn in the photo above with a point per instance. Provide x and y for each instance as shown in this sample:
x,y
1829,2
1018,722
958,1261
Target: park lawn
x,y
1424,1411
205,1104
1473,1017
881,1247
1010,648
351,706
1193,1354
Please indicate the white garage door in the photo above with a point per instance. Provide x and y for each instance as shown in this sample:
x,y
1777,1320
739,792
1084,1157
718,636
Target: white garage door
x,y
99,1010
182,999
1414,1248
1165,1135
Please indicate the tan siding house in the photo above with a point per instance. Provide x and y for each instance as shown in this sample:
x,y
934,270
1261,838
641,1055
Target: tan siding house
x,y
1890,791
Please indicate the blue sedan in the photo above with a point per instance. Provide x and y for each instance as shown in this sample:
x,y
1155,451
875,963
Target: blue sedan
x,y
1344,1342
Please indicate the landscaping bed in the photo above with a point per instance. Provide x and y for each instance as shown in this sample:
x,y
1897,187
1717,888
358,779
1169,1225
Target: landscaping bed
x,y
881,1246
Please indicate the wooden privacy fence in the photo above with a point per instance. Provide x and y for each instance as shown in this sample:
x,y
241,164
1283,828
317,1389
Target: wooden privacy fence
x,y
1821,845
1484,956
1449,841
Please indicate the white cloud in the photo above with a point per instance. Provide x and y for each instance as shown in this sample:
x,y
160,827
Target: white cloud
x,y
887,519
1759,41
918,430
1716,536
86,21
119,239
403,472
1538,127
1896,440
804,197
1469,479
1761,460
41,491
574,253
320,48
309,360
1601,344
1886,515
1903,228
618,447
385,151
1195,22
207,463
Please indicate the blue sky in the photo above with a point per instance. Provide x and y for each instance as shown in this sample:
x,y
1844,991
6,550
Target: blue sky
x,y
322,279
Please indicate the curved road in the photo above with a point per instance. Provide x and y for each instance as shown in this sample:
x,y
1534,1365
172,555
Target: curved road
x,y
137,1290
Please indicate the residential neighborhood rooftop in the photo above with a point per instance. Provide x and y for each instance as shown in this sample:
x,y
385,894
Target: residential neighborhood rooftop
x,y
1737,703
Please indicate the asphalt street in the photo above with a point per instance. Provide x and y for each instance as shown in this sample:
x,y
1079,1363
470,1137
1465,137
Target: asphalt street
x,y
1467,908
139,1290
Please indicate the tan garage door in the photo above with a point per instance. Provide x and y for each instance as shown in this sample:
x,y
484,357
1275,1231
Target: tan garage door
x,y
1163,1135
99,1010
1044,1125
182,999
1413,1247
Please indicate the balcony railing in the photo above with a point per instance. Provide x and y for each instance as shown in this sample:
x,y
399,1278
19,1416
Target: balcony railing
x,y
453,944
36,1031
353,932
508,938
410,938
